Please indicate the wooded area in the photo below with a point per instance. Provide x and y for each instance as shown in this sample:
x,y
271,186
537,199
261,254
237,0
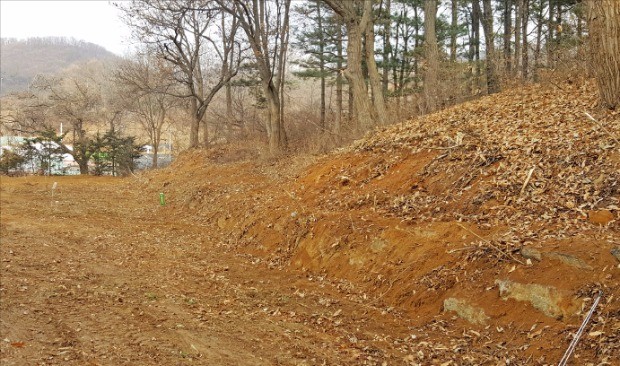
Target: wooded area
x,y
213,71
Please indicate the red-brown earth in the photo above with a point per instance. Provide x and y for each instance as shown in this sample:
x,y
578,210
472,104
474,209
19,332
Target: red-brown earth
x,y
478,235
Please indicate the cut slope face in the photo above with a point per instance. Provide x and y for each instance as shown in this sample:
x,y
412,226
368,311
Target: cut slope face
x,y
495,220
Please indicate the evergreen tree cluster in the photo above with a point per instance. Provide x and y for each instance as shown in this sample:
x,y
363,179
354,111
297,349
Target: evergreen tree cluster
x,y
109,154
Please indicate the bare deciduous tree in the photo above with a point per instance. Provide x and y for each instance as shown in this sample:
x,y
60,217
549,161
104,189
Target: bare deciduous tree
x,y
147,89
182,32
76,100
266,25
23,112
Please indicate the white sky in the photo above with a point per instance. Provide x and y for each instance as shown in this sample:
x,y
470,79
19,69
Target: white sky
x,y
91,21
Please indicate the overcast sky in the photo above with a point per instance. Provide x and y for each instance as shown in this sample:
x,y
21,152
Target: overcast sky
x,y
91,21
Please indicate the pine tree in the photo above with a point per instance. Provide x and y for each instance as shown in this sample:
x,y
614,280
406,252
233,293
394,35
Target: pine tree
x,y
317,36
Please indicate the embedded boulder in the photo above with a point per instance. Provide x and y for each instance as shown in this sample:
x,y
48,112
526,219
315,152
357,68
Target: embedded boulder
x,y
464,310
547,299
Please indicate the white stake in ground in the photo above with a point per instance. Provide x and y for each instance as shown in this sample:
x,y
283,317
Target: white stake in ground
x,y
53,189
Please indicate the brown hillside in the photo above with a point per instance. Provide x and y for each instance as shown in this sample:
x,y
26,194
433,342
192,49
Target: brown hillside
x,y
22,60
429,243
502,211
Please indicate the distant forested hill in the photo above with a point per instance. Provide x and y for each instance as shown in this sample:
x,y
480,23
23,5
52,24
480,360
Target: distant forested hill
x,y
22,60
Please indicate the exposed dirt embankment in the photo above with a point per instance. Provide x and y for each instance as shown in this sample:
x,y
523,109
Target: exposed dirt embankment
x,y
496,220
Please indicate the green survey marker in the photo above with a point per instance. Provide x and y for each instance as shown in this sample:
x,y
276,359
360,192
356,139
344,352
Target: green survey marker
x,y
162,199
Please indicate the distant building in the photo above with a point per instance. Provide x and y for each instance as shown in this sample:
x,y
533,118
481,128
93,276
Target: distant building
x,y
64,165
10,142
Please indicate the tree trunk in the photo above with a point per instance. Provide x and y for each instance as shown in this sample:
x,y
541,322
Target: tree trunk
x,y
373,70
507,36
351,107
432,55
487,25
403,67
323,108
80,152
454,28
83,167
205,133
394,55
558,23
525,14
365,64
281,78
338,119
230,117
539,26
604,25
416,45
550,37
156,137
155,155
277,140
195,125
475,25
518,28
321,63
355,75
387,47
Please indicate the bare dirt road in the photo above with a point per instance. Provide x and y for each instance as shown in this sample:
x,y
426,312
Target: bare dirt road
x,y
102,275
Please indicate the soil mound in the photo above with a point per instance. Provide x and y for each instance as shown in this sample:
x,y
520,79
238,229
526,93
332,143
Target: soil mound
x,y
491,226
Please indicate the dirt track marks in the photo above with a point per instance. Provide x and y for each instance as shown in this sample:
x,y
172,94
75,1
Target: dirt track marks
x,y
103,277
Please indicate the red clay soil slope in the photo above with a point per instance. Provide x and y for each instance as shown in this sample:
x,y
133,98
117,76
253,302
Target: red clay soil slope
x,y
497,217
479,235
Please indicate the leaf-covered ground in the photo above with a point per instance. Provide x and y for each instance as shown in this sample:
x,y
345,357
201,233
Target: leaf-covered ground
x,y
478,235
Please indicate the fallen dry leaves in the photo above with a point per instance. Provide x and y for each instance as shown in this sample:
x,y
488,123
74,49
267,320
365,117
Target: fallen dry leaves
x,y
444,203
535,154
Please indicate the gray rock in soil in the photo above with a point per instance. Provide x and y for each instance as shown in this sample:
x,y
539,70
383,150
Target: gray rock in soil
x,y
546,299
570,260
464,310
531,253
616,253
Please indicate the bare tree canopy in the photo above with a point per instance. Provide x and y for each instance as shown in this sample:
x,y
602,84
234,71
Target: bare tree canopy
x,y
149,92
192,36
311,72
